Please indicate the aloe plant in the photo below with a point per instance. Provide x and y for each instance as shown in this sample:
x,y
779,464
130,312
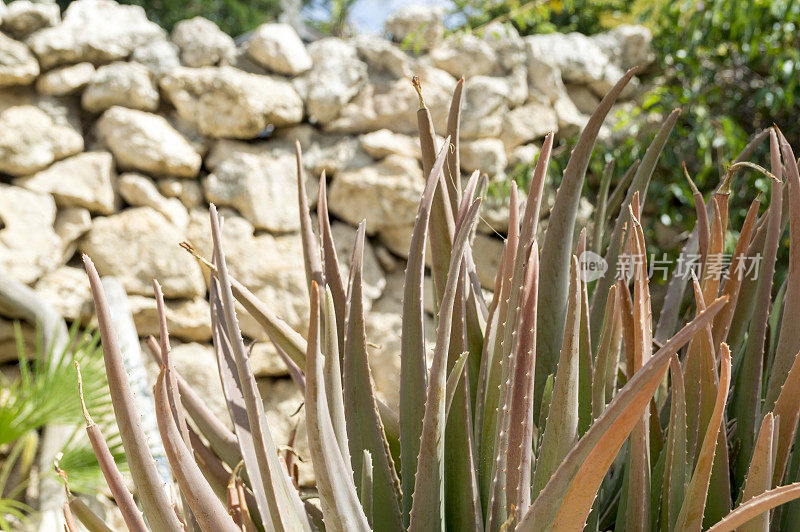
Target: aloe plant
x,y
558,405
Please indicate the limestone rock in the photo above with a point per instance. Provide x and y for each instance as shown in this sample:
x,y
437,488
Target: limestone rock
x,y
486,251
23,17
627,46
71,223
147,142
393,105
67,290
484,107
226,102
120,83
18,66
386,194
263,189
201,42
382,57
486,155
384,142
187,319
337,75
331,152
137,245
187,191
577,56
97,31
266,362
30,140
525,154
528,122
83,180
140,191
418,27
66,80
464,55
584,99
27,239
159,57
507,44
277,47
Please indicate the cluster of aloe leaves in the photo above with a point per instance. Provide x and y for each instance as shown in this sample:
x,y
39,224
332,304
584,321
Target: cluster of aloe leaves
x,y
557,405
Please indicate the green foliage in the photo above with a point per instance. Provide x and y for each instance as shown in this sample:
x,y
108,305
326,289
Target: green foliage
x,y
537,16
234,17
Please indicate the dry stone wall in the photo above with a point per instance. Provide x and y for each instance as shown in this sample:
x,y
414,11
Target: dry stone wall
x,y
114,136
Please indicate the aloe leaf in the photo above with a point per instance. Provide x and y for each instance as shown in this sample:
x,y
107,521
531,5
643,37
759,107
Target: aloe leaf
x,y
621,189
366,486
640,183
427,510
567,498
557,247
585,357
155,504
453,380
759,476
691,514
722,323
520,434
294,371
332,377
340,503
364,427
786,412
561,431
413,366
114,479
441,224
491,418
520,242
453,168
284,504
746,405
210,513
607,352
757,506
330,260
701,225
310,243
87,517
463,510
789,336
638,500
674,481
602,205
234,398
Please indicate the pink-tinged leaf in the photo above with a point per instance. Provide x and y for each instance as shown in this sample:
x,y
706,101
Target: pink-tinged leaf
x,y
566,500
155,504
757,506
674,481
691,515
284,504
759,476
311,248
746,405
209,511
330,260
787,412
789,336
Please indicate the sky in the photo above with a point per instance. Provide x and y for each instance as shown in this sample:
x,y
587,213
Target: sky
x,y
368,16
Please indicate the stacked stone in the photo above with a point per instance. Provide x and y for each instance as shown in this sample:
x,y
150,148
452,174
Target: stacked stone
x,y
115,136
